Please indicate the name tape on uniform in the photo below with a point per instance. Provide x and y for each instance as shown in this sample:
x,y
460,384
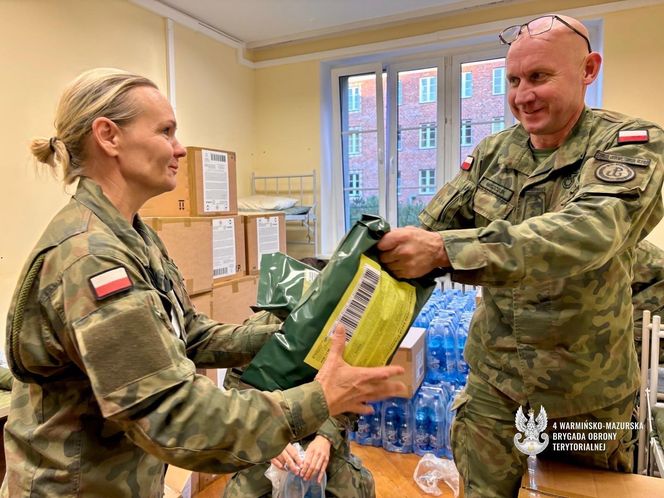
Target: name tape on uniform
x,y
633,136
615,158
110,282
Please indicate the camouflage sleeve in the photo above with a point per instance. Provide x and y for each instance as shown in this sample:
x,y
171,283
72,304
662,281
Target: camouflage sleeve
x,y
601,220
142,379
332,430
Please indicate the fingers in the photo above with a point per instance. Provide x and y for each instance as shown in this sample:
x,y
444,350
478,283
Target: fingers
x,y
388,241
338,341
277,463
292,458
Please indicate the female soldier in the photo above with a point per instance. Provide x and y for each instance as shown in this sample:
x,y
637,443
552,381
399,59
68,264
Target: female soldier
x,y
102,337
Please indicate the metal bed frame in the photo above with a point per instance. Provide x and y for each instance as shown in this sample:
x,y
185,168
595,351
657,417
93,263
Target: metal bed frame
x,y
300,186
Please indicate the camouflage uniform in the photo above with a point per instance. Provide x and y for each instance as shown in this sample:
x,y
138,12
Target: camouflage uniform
x,y
647,288
552,244
106,390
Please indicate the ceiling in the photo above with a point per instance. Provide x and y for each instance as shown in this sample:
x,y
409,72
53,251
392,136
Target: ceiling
x,y
261,23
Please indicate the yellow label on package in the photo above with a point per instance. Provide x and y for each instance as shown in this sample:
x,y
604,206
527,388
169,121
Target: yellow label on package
x,y
375,310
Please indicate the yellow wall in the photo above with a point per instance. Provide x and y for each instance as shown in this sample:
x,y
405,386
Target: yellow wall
x,y
288,118
634,71
215,99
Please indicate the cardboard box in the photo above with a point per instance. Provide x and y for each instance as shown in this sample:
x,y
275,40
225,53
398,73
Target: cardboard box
x,y
202,303
231,300
189,243
206,186
180,483
411,355
229,258
547,478
265,233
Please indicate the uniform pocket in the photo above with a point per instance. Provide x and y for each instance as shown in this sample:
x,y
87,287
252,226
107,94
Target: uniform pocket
x,y
490,207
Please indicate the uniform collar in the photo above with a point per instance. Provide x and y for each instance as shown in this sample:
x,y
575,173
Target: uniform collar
x,y
91,196
519,156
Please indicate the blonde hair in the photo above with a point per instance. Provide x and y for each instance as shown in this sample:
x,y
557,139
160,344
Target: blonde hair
x,y
100,92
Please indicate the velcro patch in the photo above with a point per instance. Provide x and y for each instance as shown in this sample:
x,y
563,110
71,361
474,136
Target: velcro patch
x,y
615,158
110,282
496,189
633,136
614,173
467,163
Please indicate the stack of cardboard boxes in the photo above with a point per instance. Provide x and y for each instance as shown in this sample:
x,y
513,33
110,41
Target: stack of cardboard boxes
x,y
216,249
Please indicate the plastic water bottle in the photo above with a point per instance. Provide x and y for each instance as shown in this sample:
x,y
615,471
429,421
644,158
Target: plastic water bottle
x,y
423,407
375,425
369,428
435,352
397,425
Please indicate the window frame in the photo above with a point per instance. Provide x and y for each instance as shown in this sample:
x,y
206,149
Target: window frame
x,y
466,85
431,90
427,187
494,79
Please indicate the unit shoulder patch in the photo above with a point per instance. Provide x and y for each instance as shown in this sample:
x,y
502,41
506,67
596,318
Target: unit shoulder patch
x,y
110,282
614,173
467,163
615,158
633,136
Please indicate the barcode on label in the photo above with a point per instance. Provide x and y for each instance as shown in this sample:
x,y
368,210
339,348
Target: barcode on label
x,y
220,271
218,157
359,300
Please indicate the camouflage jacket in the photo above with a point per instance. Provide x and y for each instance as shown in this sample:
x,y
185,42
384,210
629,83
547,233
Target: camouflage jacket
x,y
553,245
106,389
647,285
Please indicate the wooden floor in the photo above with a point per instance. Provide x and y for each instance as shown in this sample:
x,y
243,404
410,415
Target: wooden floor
x,y
392,472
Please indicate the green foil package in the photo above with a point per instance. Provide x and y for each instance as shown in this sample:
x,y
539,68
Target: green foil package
x,y
282,282
375,309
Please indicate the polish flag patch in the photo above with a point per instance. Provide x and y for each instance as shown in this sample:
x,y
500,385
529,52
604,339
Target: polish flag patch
x,y
110,282
633,136
467,163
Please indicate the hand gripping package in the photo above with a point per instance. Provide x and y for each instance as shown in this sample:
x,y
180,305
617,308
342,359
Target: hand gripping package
x,y
353,289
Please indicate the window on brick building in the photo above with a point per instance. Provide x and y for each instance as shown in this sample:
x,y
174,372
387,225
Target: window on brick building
x,y
466,132
355,142
428,89
428,136
354,98
355,184
466,85
498,83
427,181
497,124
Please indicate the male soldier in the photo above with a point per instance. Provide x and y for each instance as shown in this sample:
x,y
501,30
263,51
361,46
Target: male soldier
x,y
545,216
647,288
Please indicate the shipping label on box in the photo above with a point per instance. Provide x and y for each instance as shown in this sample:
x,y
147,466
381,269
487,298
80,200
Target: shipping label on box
x,y
265,233
228,254
411,356
216,185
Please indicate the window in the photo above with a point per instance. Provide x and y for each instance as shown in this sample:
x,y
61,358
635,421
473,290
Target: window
x,y
427,181
427,136
497,124
466,85
399,145
354,99
399,93
428,89
354,143
355,184
498,81
466,132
